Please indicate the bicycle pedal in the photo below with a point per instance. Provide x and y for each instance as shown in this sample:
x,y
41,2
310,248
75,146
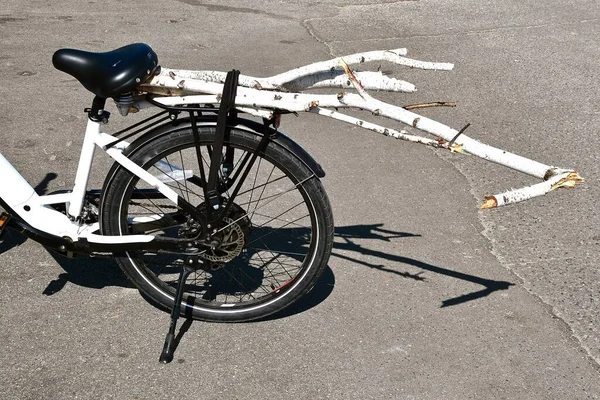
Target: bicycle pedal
x,y
4,218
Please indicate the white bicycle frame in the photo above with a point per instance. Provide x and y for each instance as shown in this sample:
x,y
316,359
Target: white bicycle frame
x,y
35,210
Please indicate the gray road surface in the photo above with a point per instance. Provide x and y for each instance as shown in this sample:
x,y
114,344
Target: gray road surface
x,y
425,297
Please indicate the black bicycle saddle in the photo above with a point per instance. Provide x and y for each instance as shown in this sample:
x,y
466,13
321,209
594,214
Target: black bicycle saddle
x,y
108,74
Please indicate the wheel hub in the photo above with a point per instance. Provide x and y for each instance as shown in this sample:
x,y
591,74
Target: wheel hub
x,y
224,243
227,243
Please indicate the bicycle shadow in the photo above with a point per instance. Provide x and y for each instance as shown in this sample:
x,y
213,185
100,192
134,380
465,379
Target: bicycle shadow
x,y
98,273
95,273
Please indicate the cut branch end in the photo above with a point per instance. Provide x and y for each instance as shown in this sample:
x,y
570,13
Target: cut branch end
x,y
569,181
490,202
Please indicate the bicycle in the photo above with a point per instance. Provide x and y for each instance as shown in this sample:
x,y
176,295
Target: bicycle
x,y
210,215
214,216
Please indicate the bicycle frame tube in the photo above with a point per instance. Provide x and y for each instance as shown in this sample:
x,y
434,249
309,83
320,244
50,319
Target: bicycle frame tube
x,y
34,209
22,199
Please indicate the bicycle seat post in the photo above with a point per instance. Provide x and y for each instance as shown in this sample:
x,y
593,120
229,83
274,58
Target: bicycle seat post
x,y
97,112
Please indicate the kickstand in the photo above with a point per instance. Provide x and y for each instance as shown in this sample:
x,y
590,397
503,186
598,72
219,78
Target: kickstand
x,y
169,348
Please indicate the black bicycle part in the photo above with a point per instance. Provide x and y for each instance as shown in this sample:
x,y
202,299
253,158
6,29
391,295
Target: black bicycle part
x,y
108,74
200,161
184,108
166,356
211,194
145,125
262,145
226,114
97,113
208,114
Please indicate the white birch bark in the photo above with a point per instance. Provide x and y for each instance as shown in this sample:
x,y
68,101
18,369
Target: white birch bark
x,y
337,79
279,82
328,79
261,96
393,56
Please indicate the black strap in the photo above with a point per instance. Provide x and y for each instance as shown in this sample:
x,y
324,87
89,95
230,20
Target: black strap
x,y
226,115
262,145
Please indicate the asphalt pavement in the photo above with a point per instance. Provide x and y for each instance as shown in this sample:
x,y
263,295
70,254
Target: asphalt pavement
x,y
425,296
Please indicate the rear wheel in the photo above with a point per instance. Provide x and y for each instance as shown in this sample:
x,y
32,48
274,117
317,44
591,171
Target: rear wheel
x,y
268,251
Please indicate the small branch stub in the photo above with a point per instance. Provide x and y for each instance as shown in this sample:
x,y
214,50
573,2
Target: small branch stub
x,y
459,133
429,105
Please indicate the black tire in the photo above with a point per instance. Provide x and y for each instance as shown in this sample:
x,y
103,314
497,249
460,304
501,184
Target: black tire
x,y
283,250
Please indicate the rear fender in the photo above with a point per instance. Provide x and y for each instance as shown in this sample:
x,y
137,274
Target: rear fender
x,y
279,138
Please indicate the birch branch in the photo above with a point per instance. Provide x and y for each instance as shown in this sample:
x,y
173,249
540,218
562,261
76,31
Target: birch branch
x,y
263,96
393,56
403,135
563,180
325,79
560,179
297,102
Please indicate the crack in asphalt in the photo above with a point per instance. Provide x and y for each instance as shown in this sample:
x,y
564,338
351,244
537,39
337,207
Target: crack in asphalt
x,y
311,31
552,310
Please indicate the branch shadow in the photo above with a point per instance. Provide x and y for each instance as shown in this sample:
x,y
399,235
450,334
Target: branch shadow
x,y
100,272
345,243
376,231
